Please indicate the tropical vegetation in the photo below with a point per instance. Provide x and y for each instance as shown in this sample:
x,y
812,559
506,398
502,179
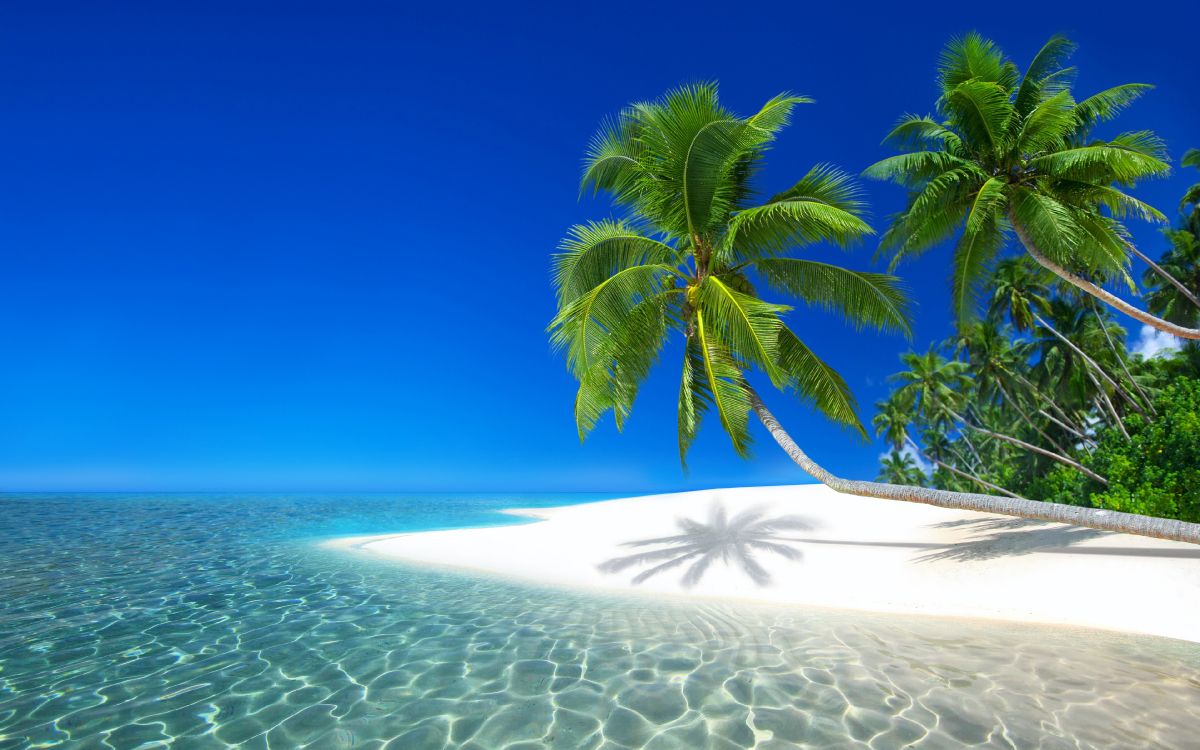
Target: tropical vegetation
x,y
689,256
1041,398
1017,154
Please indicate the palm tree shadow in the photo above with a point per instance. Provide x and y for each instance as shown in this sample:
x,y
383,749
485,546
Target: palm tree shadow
x,y
1004,537
733,541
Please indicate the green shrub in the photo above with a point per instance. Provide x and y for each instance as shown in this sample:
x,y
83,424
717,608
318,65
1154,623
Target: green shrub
x,y
1157,471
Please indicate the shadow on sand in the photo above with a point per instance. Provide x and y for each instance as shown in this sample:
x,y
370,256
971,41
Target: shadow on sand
x,y
1002,537
731,541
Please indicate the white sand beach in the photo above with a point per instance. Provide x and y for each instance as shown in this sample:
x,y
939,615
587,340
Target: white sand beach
x,y
857,553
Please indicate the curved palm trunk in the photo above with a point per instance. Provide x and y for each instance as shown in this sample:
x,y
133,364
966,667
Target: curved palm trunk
x,y
1105,401
1110,299
964,474
1163,273
1106,520
1093,364
1065,420
1065,426
1121,361
1025,418
1039,450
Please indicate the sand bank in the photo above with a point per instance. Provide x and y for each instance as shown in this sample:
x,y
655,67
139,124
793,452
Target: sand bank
x,y
807,545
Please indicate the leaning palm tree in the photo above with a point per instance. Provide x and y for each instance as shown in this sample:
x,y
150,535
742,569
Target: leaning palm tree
x,y
1013,154
689,256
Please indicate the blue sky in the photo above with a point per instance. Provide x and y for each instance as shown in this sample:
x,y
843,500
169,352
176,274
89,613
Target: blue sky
x,y
305,246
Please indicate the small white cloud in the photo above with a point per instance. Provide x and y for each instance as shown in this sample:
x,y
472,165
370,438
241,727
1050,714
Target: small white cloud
x,y
1153,343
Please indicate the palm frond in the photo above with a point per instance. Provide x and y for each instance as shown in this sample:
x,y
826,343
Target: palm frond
x,y
581,326
611,157
1049,124
620,361
1107,104
729,395
974,58
744,325
1124,160
917,133
695,395
982,239
872,300
1050,225
982,111
1049,61
824,205
816,382
592,252
916,168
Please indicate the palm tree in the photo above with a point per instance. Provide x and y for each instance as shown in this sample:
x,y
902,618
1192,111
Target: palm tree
x,y
994,360
1189,205
688,257
900,468
892,420
1016,154
1175,302
937,390
1022,294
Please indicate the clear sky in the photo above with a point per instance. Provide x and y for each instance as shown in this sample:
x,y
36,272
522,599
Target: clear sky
x,y
305,246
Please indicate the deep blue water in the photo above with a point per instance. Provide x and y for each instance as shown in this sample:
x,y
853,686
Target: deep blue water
x,y
215,621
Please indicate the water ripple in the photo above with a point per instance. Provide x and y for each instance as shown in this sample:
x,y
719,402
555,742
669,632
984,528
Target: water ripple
x,y
202,624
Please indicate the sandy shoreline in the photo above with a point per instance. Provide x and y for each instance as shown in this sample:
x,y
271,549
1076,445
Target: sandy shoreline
x,y
807,545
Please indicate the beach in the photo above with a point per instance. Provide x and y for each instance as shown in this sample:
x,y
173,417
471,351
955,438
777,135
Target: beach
x,y
806,545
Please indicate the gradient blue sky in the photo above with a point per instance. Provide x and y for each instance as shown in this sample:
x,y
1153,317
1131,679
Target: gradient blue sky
x,y
305,246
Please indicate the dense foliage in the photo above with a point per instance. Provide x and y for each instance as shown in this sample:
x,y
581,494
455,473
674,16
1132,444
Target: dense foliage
x,y
1043,399
1157,471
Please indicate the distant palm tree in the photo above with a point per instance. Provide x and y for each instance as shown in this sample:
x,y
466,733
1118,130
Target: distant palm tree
x,y
1015,153
900,468
1020,291
938,389
688,257
1189,205
730,540
1175,302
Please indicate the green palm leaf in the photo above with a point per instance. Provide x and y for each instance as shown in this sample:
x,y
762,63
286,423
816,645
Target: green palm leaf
x,y
744,325
729,395
1048,62
865,299
823,206
981,241
695,395
813,380
593,252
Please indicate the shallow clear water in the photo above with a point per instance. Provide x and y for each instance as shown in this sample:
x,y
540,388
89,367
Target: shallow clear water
x,y
212,622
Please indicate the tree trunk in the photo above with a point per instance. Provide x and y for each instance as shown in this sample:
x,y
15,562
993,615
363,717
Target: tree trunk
x,y
1112,410
1163,273
1040,450
1025,417
1089,362
1149,403
1105,520
1066,420
1065,426
959,472
1110,299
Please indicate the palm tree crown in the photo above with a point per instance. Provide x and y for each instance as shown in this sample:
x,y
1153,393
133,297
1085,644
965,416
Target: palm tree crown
x,y
688,256
1016,153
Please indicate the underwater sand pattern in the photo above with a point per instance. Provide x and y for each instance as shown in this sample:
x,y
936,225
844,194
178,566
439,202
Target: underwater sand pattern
x,y
185,626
